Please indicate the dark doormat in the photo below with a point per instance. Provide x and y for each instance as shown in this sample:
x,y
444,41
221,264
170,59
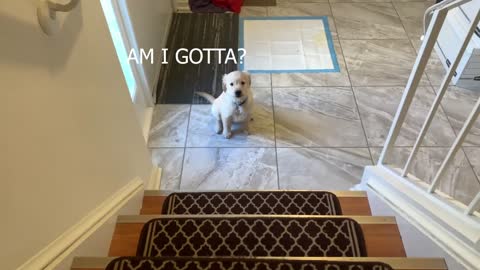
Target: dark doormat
x,y
252,236
260,3
178,82
253,203
169,263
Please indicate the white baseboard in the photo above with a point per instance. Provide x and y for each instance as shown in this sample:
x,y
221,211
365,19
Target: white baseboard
x,y
155,179
59,253
147,122
426,213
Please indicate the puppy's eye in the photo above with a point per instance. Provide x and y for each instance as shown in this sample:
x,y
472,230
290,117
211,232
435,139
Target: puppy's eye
x,y
231,84
243,83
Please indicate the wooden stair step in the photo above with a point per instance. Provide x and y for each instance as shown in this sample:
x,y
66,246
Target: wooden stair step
x,y
351,202
100,263
381,234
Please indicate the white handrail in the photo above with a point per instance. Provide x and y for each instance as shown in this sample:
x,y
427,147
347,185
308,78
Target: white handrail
x,y
420,63
440,12
440,93
47,17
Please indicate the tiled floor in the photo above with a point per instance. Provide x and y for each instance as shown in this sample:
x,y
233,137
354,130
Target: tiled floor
x,y
318,130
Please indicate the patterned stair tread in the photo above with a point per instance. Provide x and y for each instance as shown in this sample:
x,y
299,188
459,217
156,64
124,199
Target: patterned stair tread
x,y
190,263
252,236
253,202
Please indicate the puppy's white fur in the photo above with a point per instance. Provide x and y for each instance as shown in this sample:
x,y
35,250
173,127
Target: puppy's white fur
x,y
234,105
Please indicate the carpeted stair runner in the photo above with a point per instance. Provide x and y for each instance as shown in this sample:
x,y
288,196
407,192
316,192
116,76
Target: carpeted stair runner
x,y
139,263
252,236
253,202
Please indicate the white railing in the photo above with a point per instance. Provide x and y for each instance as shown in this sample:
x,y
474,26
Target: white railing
x,y
452,225
431,35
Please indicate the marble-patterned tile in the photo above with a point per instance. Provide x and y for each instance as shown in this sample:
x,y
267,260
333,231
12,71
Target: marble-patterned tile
x,y
359,1
458,103
367,21
411,15
171,161
435,69
201,128
229,169
300,9
283,2
378,105
261,80
315,79
459,180
321,168
169,125
316,117
473,155
305,9
249,11
379,62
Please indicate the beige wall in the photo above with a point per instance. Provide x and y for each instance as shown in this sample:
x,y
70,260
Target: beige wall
x,y
150,20
72,138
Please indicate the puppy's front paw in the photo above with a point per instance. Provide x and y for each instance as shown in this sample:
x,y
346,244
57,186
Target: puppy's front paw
x,y
219,129
227,134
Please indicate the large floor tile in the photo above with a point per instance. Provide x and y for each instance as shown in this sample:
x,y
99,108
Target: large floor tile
x,y
473,155
253,11
321,168
315,79
379,62
261,80
459,180
201,129
229,169
458,103
171,161
367,21
359,1
169,125
411,15
316,117
378,105
304,9
435,69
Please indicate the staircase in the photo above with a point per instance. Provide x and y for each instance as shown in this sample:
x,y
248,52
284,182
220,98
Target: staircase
x,y
256,230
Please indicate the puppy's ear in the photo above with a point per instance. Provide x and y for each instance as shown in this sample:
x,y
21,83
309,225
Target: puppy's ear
x,y
224,82
249,78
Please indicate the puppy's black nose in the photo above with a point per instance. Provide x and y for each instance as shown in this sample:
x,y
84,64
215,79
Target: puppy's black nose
x,y
238,93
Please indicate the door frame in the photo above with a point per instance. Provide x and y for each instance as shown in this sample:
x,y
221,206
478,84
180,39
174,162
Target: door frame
x,y
143,92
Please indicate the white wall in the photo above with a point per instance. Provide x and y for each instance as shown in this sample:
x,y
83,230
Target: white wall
x,y
150,22
72,137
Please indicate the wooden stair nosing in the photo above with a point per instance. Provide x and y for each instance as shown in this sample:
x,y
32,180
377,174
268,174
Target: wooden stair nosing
x,y
94,263
351,202
382,236
338,193
360,219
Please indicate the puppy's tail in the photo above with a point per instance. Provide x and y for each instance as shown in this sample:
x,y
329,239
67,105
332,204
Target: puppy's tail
x,y
206,96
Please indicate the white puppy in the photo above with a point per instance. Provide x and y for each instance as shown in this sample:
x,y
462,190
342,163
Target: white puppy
x,y
234,105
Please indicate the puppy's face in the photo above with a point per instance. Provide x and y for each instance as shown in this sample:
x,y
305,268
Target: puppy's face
x,y
236,83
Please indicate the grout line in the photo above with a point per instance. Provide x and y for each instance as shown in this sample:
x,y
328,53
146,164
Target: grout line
x,y
308,147
353,92
275,132
185,147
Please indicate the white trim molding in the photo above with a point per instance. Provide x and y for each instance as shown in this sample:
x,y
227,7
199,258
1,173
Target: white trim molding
x,y
155,179
435,215
60,250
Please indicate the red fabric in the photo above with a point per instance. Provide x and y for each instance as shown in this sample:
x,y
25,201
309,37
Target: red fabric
x,y
233,5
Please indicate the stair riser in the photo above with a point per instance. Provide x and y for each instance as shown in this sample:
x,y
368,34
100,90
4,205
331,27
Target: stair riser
x,y
382,240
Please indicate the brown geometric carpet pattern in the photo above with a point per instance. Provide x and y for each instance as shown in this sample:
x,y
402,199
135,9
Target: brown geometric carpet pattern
x,y
252,236
139,263
253,202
